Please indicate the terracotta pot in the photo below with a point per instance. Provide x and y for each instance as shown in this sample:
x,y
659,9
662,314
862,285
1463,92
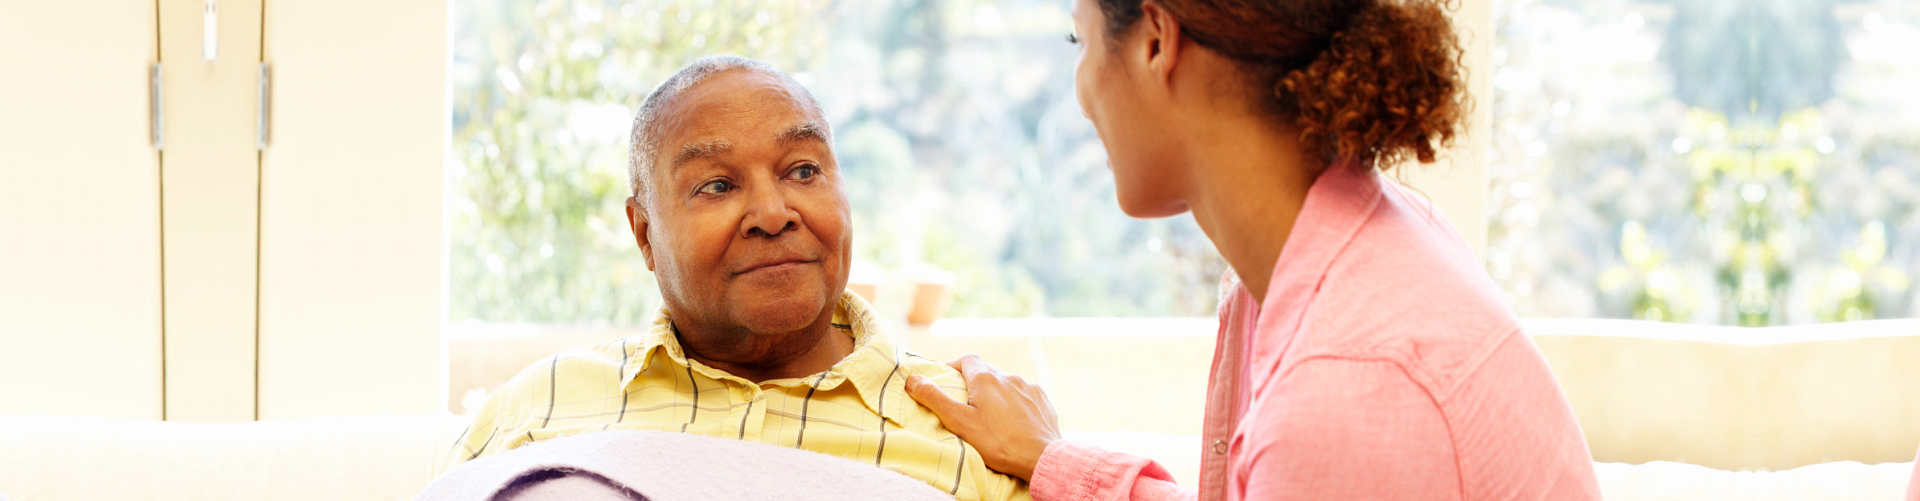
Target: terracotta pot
x,y
929,302
868,292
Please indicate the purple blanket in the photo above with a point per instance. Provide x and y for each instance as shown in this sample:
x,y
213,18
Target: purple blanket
x,y
662,466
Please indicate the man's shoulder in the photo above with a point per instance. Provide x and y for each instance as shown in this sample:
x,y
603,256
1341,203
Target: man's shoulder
x,y
947,377
615,352
596,359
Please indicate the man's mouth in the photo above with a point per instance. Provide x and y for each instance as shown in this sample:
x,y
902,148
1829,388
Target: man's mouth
x,y
774,265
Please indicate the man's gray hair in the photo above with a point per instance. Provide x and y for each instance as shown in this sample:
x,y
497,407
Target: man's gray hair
x,y
645,136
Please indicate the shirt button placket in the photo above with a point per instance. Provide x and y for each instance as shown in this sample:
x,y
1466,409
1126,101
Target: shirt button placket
x,y
755,419
1220,446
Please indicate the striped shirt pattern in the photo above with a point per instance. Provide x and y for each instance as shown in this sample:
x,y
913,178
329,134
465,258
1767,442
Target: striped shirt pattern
x,y
858,409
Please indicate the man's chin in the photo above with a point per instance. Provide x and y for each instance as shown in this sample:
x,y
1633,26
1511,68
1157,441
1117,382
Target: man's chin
x,y
781,313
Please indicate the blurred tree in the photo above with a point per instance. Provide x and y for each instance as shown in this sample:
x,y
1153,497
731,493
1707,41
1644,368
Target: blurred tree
x,y
1712,160
1753,58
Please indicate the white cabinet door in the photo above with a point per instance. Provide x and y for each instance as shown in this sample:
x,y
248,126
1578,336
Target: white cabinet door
x,y
79,210
210,181
351,232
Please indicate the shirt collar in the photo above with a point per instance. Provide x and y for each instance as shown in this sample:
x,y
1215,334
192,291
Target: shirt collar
x,y
872,368
1337,205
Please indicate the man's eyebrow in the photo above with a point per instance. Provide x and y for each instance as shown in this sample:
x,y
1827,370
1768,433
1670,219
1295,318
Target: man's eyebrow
x,y
694,151
805,131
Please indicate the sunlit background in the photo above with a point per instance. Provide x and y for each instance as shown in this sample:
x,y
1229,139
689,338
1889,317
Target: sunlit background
x,y
1706,161
1700,161
967,159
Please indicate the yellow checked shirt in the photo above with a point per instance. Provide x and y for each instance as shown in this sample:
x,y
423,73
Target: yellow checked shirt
x,y
858,409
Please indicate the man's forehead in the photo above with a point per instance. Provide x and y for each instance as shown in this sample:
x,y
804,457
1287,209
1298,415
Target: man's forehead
x,y
741,91
737,108
743,124
739,99
717,145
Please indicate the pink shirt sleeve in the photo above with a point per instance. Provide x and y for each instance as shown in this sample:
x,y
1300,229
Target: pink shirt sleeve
x,y
1344,429
1913,484
1375,435
1071,471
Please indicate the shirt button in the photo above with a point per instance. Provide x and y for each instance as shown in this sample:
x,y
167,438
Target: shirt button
x,y
1219,446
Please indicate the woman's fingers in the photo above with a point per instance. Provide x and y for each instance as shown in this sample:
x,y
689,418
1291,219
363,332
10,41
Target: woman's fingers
x,y
971,366
950,411
1008,420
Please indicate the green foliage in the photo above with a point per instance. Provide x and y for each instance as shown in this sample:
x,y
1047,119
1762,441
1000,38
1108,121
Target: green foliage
x,y
1692,170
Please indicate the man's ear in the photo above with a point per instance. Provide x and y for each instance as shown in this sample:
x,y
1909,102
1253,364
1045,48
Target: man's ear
x,y
637,218
1163,38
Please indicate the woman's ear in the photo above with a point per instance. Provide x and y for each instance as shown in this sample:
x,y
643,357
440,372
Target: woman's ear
x,y
637,218
1162,38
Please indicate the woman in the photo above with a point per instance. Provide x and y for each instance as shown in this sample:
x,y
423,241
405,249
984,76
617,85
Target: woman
x,y
1362,352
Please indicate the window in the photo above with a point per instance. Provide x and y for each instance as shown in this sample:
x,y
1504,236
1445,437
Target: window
x,y
964,148
1747,163
1741,163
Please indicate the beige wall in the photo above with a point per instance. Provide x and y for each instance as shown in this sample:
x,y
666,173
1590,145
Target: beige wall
x,y
1103,375
1457,182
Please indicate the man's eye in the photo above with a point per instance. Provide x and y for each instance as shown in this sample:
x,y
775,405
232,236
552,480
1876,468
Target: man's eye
x,y
1073,39
716,187
806,172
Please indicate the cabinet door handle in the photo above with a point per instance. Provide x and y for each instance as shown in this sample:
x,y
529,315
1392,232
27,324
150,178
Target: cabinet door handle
x,y
265,118
210,31
157,110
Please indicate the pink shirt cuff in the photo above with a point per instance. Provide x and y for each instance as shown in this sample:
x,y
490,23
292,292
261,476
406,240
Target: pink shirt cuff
x,y
1073,471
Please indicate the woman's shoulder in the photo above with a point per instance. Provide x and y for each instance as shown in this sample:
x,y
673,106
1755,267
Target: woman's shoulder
x,y
1406,288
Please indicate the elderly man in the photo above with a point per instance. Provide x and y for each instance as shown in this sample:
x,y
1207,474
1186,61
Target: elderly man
x,y
739,209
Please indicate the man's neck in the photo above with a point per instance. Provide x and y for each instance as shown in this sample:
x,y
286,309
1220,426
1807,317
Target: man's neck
x,y
812,350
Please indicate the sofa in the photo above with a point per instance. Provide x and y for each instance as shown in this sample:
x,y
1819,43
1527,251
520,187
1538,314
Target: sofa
x,y
1671,412
393,457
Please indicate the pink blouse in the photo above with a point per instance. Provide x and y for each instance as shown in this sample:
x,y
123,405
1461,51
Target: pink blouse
x,y
1382,365
1913,484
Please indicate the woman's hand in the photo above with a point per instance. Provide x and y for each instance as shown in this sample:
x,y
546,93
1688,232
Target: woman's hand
x,y
1006,418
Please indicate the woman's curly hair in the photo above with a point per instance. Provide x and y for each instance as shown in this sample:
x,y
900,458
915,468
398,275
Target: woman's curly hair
x,y
1372,81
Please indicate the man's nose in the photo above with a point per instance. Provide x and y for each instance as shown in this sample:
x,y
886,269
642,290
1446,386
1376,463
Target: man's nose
x,y
768,213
